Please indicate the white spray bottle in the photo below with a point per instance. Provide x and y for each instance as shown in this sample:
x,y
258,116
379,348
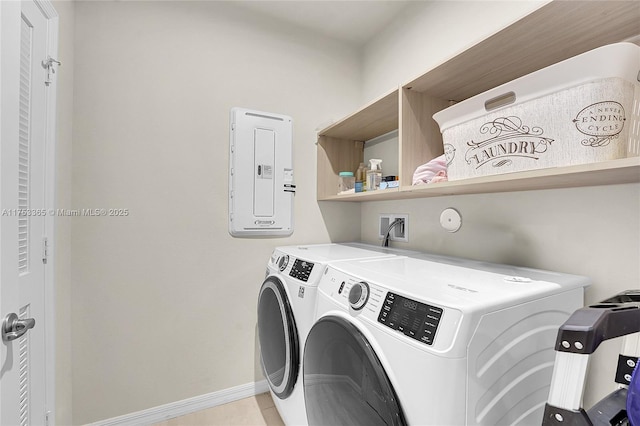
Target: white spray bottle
x,y
374,174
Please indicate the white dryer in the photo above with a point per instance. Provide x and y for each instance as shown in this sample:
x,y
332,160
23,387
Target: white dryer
x,y
286,309
434,341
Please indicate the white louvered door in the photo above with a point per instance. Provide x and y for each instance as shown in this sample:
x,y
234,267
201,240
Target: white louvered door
x,y
22,268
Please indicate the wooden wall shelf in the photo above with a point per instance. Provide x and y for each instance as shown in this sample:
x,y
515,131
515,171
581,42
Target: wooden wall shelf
x,y
555,32
626,170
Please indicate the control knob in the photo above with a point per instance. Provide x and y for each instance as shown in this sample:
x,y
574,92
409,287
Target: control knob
x,y
283,262
358,295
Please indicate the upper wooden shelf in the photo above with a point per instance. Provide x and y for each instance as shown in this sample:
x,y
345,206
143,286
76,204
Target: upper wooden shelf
x,y
375,119
626,170
557,31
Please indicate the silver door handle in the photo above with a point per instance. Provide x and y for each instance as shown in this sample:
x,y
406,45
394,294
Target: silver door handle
x,y
13,327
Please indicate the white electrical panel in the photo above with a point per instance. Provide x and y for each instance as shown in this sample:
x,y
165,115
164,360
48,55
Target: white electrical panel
x,y
261,186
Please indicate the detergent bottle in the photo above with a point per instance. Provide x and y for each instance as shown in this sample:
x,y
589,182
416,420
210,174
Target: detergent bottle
x,y
360,178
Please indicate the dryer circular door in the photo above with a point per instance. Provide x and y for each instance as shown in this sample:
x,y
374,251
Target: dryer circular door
x,y
344,381
279,350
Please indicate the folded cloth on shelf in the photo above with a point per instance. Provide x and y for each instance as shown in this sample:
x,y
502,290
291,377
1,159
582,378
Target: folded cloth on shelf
x,y
441,176
431,172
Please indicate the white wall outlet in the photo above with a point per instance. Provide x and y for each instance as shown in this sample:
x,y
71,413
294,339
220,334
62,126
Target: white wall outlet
x,y
399,232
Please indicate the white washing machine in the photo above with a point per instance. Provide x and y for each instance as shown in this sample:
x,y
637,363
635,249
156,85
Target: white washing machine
x,y
286,309
434,341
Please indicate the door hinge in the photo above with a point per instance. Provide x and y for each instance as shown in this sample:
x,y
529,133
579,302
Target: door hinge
x,y
48,65
47,418
45,250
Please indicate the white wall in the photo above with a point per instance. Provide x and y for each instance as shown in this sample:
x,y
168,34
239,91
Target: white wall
x,y
429,32
164,300
588,231
62,245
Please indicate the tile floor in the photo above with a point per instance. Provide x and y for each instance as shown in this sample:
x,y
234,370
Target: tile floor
x,y
257,410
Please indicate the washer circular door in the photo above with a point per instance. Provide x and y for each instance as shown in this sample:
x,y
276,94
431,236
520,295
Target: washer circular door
x,y
278,335
344,381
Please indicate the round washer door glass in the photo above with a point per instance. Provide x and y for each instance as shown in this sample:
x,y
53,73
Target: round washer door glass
x,y
279,350
344,381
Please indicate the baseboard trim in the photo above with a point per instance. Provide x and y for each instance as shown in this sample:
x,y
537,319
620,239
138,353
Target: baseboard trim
x,y
186,406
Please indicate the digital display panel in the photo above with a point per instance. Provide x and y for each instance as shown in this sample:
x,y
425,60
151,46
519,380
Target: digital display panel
x,y
301,270
416,320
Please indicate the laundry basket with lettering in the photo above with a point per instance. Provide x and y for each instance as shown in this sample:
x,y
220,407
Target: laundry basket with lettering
x,y
581,110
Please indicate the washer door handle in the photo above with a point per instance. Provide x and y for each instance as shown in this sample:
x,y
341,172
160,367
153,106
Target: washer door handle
x,y
13,327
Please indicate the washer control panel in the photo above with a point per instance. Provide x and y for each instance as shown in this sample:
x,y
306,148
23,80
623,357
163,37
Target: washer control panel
x,y
415,319
301,270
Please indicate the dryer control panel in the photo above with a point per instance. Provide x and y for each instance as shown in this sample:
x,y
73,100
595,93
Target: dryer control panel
x,y
301,270
426,324
415,319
